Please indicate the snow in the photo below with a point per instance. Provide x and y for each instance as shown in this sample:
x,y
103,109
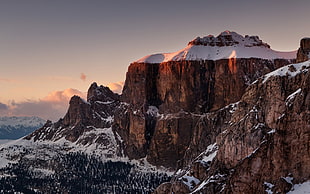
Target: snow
x,y
292,96
190,181
301,188
271,131
4,141
12,151
244,48
200,52
209,154
269,187
288,180
21,121
153,111
289,70
207,181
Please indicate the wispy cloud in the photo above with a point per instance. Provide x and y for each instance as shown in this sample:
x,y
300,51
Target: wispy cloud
x,y
83,77
52,107
116,87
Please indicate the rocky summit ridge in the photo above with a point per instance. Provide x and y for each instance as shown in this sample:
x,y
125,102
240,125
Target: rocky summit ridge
x,y
222,125
229,38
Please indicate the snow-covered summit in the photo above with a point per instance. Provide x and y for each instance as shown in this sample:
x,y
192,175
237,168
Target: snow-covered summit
x,y
21,121
226,45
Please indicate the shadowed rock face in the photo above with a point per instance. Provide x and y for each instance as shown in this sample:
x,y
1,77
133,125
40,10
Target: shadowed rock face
x,y
82,116
194,86
180,91
303,52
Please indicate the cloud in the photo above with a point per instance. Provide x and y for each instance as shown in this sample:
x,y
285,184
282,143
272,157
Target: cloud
x,y
83,77
65,95
3,107
51,107
116,87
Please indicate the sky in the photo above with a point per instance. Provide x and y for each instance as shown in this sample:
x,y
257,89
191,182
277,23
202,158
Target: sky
x,y
51,50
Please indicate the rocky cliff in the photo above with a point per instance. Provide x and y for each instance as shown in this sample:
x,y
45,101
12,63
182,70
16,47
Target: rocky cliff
x,y
167,98
262,144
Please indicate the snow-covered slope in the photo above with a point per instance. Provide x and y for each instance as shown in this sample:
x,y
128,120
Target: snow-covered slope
x,y
226,45
24,121
16,127
301,188
289,70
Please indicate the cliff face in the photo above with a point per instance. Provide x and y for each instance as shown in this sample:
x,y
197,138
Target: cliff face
x,y
264,144
164,101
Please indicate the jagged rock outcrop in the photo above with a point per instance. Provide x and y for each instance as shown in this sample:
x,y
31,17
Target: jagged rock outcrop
x,y
82,116
228,38
303,53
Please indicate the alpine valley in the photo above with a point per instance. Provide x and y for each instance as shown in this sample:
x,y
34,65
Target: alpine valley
x,y
225,114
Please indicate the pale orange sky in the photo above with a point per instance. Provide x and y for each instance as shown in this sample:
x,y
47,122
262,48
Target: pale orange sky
x,y
59,46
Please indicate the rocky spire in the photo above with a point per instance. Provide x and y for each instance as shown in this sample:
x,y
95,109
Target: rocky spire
x,y
304,50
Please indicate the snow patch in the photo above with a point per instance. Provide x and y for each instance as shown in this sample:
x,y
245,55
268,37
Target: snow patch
x,y
289,70
209,154
207,181
153,111
301,188
269,187
291,97
190,181
288,179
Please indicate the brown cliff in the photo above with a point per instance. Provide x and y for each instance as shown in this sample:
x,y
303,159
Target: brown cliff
x,y
192,87
303,52
265,142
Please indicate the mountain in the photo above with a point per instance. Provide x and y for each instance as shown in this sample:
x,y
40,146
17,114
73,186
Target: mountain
x,y
80,153
226,45
261,145
17,127
225,114
174,94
